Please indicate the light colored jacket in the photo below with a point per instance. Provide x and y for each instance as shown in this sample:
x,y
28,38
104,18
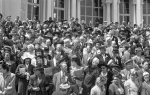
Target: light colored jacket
x,y
7,84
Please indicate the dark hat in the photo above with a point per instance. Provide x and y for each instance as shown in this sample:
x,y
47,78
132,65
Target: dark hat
x,y
104,64
56,33
39,67
147,57
7,48
46,49
38,50
128,62
102,47
78,78
114,66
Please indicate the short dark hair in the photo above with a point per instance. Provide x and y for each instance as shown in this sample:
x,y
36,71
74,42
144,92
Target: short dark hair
x,y
1,15
5,66
77,60
118,76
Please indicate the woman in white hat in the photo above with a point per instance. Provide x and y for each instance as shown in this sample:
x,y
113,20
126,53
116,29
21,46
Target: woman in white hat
x,y
146,84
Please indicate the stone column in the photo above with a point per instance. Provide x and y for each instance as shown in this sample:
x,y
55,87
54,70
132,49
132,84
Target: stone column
x,y
1,6
74,7
115,11
139,12
79,9
50,8
69,10
134,11
118,12
108,2
104,9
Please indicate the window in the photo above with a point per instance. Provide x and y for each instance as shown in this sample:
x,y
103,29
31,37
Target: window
x,y
59,10
124,11
33,9
91,10
146,11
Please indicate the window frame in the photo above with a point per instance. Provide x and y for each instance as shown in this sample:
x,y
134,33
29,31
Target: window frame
x,y
99,7
122,13
32,4
57,8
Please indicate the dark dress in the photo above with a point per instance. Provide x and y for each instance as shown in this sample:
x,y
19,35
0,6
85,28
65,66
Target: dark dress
x,y
90,78
22,81
46,81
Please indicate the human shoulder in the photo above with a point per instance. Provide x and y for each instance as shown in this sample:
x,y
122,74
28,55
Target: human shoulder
x,y
32,76
127,83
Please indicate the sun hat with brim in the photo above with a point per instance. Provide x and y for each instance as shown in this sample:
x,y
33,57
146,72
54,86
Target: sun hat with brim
x,y
128,62
138,49
64,86
145,74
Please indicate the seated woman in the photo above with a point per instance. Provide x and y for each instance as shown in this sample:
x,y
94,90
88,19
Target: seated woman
x,y
39,83
7,86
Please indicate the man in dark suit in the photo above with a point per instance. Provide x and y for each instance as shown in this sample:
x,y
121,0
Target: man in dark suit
x,y
103,56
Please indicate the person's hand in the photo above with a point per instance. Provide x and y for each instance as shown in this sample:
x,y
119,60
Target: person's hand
x,y
36,88
46,88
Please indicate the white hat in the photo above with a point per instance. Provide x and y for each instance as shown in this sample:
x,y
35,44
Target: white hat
x,y
145,73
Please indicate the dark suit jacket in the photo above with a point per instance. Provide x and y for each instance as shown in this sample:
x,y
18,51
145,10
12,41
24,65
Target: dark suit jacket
x,y
46,82
75,89
23,82
101,59
56,68
113,89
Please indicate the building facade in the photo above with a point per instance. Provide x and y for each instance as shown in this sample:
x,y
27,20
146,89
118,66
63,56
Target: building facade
x,y
133,11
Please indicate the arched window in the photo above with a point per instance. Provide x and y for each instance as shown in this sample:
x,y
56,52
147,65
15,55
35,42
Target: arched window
x,y
59,10
124,11
146,11
91,10
33,9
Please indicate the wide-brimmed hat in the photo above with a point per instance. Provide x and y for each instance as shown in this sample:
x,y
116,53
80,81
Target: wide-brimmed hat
x,y
102,47
128,62
39,67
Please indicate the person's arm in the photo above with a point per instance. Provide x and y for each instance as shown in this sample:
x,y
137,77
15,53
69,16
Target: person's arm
x,y
18,74
93,92
126,88
10,87
111,90
54,79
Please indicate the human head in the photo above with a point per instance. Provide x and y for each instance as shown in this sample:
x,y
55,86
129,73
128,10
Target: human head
x,y
27,61
117,79
4,68
30,47
63,66
146,65
95,62
76,61
134,74
100,81
146,76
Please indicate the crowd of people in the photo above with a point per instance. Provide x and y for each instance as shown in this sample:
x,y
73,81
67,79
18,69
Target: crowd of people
x,y
72,58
